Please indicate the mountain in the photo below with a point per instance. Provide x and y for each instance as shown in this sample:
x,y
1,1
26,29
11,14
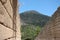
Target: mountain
x,y
32,22
33,18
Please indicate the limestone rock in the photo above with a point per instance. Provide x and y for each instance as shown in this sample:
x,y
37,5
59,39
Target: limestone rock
x,y
3,1
9,20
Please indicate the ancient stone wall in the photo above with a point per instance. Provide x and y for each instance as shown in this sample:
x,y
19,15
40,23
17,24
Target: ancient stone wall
x,y
9,20
51,31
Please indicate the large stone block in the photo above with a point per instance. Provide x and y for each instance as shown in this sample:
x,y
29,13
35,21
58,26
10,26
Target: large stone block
x,y
5,32
9,20
4,17
9,8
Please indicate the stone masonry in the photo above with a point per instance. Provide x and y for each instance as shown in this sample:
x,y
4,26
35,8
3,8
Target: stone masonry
x,y
51,31
9,20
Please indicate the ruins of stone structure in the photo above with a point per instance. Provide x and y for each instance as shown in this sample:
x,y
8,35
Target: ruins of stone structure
x,y
51,31
9,20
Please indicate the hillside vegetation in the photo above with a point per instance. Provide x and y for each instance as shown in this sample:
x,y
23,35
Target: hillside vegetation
x,y
32,22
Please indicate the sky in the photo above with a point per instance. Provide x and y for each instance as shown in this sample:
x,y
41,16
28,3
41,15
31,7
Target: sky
x,y
46,7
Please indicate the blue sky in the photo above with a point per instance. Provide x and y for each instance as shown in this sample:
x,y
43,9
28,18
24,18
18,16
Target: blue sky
x,y
46,7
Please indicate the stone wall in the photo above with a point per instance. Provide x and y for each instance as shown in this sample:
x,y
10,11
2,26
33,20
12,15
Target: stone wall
x,y
51,31
9,20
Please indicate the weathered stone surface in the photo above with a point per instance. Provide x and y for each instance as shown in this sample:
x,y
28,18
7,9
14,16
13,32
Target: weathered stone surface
x,y
51,31
9,20
18,28
5,32
3,1
9,8
4,17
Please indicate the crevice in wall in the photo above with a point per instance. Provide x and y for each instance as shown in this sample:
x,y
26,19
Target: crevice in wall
x,y
6,10
7,26
9,38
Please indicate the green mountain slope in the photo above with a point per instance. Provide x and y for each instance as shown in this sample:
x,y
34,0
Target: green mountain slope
x,y
32,22
34,18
